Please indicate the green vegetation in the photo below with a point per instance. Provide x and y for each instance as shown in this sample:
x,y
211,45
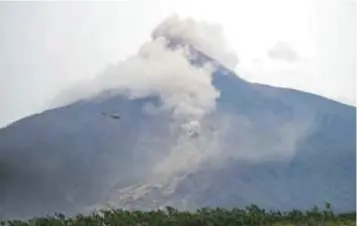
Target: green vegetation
x,y
251,215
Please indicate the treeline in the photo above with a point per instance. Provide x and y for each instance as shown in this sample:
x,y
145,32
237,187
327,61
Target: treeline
x,y
251,215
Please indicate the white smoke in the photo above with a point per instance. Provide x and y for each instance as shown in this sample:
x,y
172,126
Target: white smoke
x,y
165,71
206,37
158,70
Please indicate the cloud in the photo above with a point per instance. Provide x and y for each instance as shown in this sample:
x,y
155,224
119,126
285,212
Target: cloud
x,y
283,51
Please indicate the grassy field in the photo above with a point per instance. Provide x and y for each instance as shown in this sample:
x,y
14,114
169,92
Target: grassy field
x,y
251,215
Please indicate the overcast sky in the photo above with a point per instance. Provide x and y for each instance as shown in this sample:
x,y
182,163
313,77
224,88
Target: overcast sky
x,y
46,47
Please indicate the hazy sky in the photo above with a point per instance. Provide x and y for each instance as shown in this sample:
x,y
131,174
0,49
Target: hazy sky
x,y
45,47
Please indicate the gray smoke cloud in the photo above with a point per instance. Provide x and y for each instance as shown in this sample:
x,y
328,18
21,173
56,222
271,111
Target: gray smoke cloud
x,y
205,37
159,70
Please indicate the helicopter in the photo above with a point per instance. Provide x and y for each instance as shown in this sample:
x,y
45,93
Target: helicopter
x,y
113,116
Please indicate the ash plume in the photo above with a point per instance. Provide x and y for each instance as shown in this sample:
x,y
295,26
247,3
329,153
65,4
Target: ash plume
x,y
160,70
164,70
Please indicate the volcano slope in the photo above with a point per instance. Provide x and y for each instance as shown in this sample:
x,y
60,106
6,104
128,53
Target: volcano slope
x,y
203,138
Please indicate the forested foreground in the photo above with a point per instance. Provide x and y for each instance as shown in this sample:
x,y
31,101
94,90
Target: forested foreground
x,y
169,216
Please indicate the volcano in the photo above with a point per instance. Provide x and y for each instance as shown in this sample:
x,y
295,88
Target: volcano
x,y
274,147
